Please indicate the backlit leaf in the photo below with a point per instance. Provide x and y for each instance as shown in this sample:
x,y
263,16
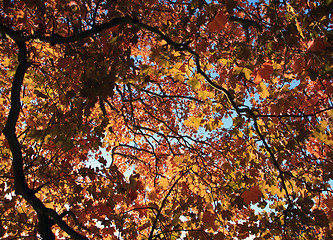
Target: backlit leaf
x,y
218,23
252,195
263,90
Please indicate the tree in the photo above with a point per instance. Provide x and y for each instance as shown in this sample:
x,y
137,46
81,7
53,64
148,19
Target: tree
x,y
166,119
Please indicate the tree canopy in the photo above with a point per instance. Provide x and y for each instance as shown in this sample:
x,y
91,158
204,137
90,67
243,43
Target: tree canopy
x,y
166,119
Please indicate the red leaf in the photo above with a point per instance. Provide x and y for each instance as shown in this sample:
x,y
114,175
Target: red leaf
x,y
182,68
265,71
132,194
317,45
298,64
209,217
329,202
252,195
141,209
218,22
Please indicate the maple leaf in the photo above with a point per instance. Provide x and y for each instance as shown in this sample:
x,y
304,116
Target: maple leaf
x,y
252,195
317,45
263,90
209,218
218,23
264,72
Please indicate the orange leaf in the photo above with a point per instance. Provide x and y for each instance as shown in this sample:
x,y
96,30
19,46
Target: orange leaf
x,y
257,79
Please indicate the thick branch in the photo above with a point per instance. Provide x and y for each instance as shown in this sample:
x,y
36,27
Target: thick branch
x,y
57,39
9,130
46,216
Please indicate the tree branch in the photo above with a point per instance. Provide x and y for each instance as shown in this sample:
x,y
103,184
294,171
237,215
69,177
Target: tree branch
x,y
151,235
58,39
47,217
250,114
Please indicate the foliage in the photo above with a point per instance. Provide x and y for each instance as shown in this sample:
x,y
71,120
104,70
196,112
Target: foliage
x,y
166,119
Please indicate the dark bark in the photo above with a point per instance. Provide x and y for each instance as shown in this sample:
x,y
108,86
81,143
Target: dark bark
x,y
47,217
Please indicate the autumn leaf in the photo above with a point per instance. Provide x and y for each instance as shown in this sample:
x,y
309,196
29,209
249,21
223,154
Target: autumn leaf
x,y
193,122
329,202
257,79
247,72
209,218
264,72
164,183
194,83
205,94
263,90
252,195
182,68
298,64
218,23
317,45
321,217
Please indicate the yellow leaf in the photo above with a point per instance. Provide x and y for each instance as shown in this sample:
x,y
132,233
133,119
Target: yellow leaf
x,y
113,40
237,134
164,63
247,73
213,124
237,70
164,183
10,73
290,8
194,83
145,69
163,42
260,122
6,62
299,29
205,94
285,88
193,122
195,168
322,134
223,61
263,90
176,54
178,160
276,65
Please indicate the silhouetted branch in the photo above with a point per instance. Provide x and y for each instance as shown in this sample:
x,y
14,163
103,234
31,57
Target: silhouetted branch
x,y
151,235
47,217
